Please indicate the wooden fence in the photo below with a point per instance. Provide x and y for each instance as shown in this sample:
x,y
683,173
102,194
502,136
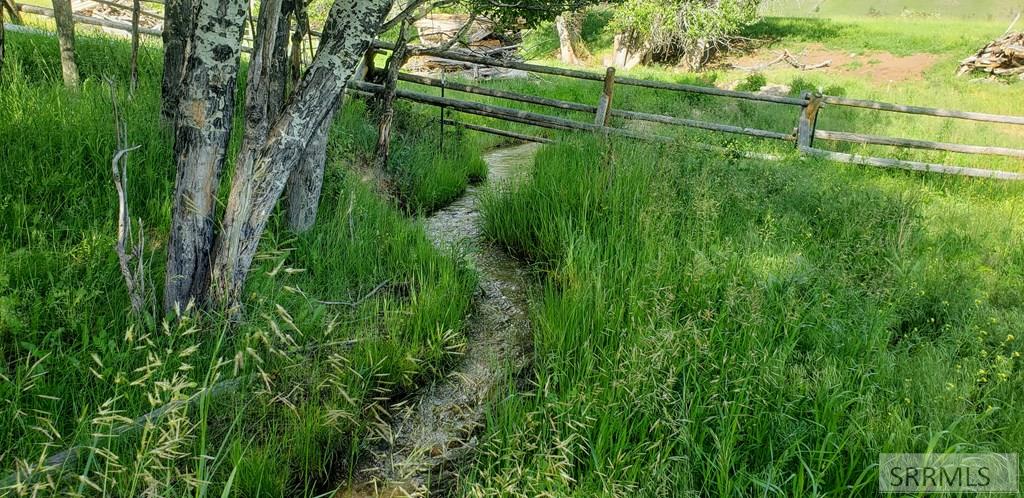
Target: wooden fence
x,y
807,107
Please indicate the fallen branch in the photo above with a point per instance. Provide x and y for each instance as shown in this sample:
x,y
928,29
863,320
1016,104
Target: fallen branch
x,y
788,58
135,280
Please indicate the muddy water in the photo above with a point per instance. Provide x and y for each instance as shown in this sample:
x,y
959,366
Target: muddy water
x,y
416,451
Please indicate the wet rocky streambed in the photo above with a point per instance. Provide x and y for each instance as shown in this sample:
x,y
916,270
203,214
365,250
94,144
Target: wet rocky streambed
x,y
417,451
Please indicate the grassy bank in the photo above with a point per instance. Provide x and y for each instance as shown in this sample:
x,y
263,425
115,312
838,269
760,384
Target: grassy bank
x,y
719,327
308,377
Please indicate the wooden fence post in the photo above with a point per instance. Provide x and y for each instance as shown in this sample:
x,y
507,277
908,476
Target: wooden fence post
x,y
808,120
604,106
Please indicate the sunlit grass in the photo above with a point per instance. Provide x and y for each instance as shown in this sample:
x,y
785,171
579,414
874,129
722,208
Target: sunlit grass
x,y
727,327
307,376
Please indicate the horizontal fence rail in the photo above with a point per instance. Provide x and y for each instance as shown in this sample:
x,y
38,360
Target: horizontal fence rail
x,y
810,106
924,111
587,75
842,136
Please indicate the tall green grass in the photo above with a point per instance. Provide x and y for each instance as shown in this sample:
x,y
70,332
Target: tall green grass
x,y
309,377
727,327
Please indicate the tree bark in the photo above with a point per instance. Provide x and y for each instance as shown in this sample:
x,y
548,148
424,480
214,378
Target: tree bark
x,y
66,38
385,102
628,51
279,76
302,192
570,41
301,30
179,27
203,126
351,26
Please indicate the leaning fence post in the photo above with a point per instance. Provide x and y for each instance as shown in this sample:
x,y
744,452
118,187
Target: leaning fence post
x,y
808,120
604,106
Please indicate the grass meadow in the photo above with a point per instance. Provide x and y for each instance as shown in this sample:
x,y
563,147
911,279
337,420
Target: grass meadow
x,y
308,378
703,325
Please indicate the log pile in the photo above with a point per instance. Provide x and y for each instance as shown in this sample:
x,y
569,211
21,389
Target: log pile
x,y
1003,57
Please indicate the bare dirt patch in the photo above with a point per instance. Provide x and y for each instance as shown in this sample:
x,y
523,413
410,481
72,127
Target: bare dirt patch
x,y
879,67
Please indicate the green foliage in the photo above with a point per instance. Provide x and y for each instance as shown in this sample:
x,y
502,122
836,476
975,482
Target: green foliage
x,y
683,28
729,327
753,83
77,366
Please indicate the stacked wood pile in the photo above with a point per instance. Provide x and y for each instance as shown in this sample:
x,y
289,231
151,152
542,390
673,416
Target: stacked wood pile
x,y
1003,57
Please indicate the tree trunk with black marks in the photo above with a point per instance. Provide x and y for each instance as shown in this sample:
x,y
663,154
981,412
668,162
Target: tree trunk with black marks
x,y
302,192
259,105
351,26
629,51
570,41
301,30
385,102
179,26
279,75
62,14
204,120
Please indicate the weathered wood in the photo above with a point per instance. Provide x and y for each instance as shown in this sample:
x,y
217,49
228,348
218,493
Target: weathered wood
x,y
206,107
498,132
586,75
63,15
808,120
142,11
384,107
703,125
501,94
505,113
925,111
911,165
602,117
92,21
841,136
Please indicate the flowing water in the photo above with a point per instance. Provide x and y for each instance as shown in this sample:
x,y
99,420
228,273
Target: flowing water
x,y
416,452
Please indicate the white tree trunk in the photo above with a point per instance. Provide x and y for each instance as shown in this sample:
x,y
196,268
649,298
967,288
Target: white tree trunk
x,y
351,25
628,51
204,119
63,16
302,201
570,40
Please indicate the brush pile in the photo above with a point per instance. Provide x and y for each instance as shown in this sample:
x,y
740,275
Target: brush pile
x,y
1003,57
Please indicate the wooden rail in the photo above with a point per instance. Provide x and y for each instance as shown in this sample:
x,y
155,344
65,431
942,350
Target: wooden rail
x,y
924,111
587,75
93,21
842,136
810,106
574,106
